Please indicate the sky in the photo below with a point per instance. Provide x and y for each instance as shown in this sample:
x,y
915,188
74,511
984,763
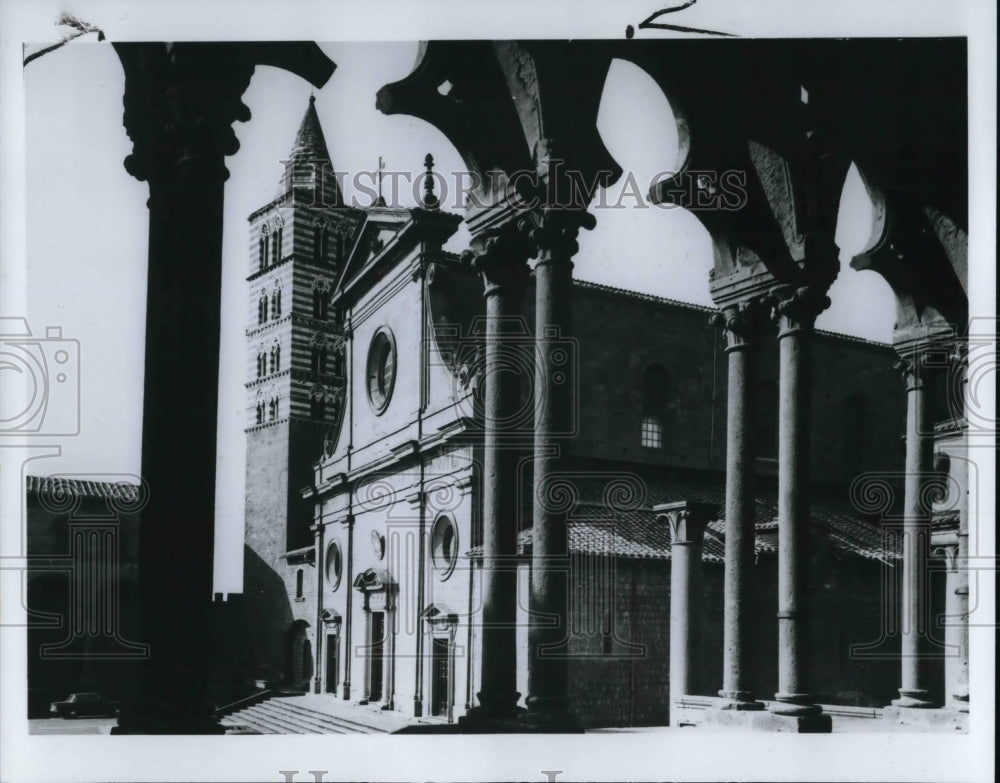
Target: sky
x,y
87,232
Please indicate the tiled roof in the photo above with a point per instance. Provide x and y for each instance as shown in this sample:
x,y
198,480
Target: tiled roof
x,y
614,514
60,486
310,143
626,292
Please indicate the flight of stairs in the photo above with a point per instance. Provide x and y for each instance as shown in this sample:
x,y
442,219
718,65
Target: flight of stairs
x,y
288,716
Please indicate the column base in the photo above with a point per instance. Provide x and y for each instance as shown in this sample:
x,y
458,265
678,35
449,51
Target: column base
x,y
742,701
347,692
941,718
915,699
550,722
480,720
794,705
765,720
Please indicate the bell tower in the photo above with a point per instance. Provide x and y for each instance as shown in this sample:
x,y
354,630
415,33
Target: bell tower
x,y
295,382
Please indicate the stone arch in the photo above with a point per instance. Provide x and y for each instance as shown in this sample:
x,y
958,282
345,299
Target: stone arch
x,y
299,664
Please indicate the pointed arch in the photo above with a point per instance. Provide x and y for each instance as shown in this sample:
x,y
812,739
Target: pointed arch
x,y
317,402
262,307
319,350
276,300
321,237
321,297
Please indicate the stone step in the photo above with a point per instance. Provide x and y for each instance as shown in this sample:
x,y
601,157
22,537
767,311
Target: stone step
x,y
314,721
262,723
286,716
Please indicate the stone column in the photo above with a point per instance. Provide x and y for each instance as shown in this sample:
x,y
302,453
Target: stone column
x,y
914,611
555,415
348,607
960,695
797,311
501,260
180,102
687,529
318,656
946,548
180,152
743,324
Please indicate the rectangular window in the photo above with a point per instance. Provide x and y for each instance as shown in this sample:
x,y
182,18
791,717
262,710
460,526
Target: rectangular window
x,y
652,432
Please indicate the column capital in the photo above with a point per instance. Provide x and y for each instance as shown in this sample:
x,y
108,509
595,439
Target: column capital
x,y
553,232
796,309
687,520
500,257
923,358
744,322
181,100
945,547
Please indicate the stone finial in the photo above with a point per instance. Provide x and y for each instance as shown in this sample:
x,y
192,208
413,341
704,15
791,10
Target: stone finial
x,y
430,199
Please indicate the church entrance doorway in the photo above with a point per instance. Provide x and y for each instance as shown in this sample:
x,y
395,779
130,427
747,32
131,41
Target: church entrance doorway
x,y
440,682
376,653
298,656
332,658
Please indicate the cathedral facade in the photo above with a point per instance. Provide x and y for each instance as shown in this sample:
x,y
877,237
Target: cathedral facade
x,y
365,465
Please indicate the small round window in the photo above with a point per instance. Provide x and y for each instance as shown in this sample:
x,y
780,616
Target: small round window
x,y
444,545
381,371
378,544
334,564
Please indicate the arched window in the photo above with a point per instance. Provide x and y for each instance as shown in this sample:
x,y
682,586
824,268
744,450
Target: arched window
x,y
280,246
275,249
261,252
276,303
260,412
266,260
272,409
261,364
766,420
275,358
299,579
320,298
856,425
262,308
320,236
655,394
317,403
319,354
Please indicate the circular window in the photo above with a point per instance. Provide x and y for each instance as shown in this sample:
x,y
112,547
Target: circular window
x,y
381,372
378,544
444,545
334,564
